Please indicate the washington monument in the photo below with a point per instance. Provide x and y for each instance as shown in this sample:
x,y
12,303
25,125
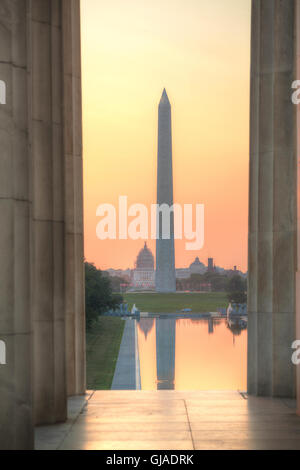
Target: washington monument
x,y
165,279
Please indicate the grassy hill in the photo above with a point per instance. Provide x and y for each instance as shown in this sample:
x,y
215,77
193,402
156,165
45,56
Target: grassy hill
x,y
102,350
171,303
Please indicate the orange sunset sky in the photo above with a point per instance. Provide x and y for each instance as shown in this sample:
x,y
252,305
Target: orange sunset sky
x,y
200,51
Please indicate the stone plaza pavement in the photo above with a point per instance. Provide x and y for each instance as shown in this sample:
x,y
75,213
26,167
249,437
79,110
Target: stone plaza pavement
x,y
171,420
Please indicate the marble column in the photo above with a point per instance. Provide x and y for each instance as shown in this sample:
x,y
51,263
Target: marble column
x,y
272,210
16,421
74,257
298,200
48,225
41,241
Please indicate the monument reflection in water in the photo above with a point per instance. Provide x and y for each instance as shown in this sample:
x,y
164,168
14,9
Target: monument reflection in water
x,y
192,354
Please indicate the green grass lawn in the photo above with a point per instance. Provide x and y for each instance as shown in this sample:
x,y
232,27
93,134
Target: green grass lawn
x,y
102,349
171,303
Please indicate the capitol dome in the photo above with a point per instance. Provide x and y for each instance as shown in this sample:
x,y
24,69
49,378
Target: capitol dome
x,y
145,259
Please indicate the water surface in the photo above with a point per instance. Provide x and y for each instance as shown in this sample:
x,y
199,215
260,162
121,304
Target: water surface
x,y
192,354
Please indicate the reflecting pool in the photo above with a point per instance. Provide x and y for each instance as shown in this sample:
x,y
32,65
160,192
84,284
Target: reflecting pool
x,y
192,354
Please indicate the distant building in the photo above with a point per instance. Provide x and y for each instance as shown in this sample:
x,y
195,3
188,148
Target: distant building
x,y
235,272
183,273
197,267
210,265
123,273
143,276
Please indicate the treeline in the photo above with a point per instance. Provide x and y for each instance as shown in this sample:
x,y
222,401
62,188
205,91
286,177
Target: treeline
x,y
219,282
118,284
99,296
235,286
237,289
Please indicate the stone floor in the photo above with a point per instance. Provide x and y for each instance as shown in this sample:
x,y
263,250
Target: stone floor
x,y
170,420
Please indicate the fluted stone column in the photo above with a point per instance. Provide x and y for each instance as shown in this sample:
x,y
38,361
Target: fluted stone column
x,y
298,200
48,227
41,236
272,213
74,269
16,423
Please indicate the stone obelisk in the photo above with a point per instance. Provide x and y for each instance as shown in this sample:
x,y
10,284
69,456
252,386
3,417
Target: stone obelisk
x,y
165,279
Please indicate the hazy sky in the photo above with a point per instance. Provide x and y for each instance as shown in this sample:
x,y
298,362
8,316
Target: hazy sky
x,y
200,51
